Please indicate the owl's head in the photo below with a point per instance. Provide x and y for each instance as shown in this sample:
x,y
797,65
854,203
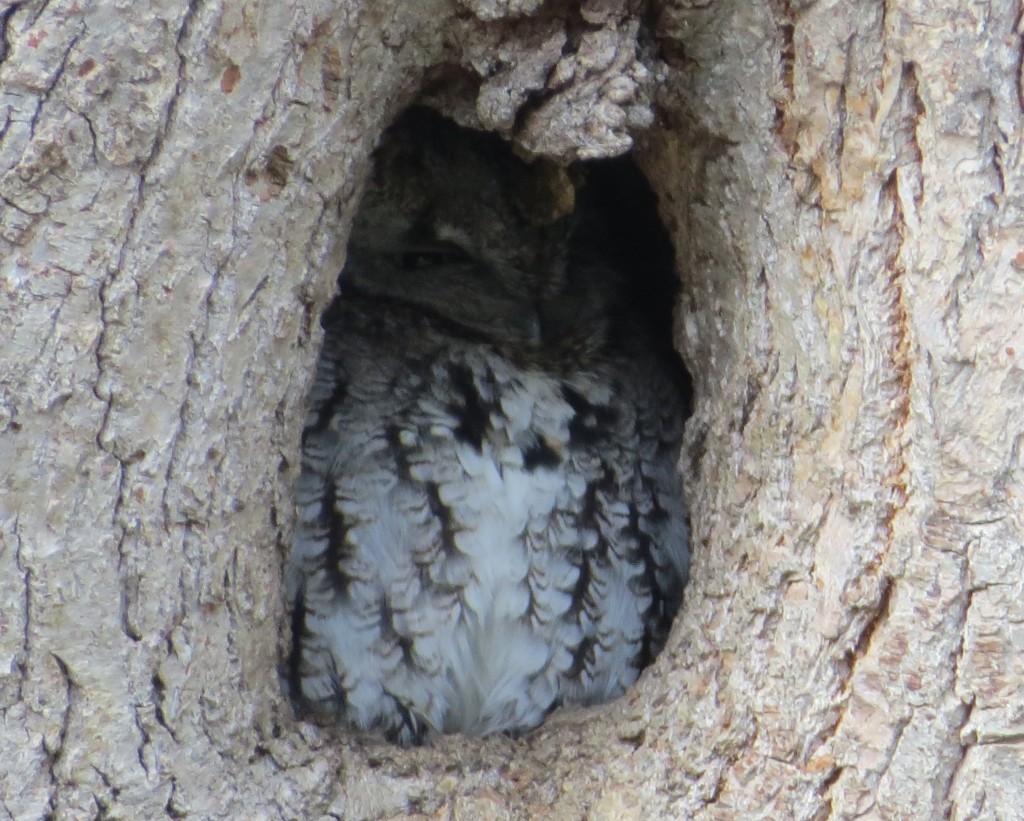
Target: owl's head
x,y
453,222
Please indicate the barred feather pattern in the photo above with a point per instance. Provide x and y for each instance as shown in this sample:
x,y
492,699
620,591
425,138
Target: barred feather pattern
x,y
482,537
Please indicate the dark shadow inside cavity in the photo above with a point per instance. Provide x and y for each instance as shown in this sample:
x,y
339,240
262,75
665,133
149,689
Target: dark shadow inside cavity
x,y
623,227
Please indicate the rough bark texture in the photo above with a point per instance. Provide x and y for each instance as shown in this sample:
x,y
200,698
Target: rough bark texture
x,y
843,183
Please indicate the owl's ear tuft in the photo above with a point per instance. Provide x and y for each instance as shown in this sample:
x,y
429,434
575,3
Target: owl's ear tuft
x,y
546,192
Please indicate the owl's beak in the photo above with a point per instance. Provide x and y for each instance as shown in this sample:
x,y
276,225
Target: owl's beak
x,y
531,328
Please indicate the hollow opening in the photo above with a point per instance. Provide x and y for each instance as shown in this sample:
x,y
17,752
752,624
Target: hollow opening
x,y
490,521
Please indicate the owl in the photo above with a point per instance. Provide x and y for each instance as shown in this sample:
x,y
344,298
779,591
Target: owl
x,y
489,518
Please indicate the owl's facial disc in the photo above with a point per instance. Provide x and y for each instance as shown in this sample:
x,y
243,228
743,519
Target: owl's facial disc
x,y
443,279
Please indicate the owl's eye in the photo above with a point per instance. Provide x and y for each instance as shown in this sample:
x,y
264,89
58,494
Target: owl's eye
x,y
419,259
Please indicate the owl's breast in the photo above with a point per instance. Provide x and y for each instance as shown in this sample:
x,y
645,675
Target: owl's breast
x,y
477,541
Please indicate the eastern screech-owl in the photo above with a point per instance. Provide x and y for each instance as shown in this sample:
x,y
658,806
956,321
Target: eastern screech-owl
x,y
490,523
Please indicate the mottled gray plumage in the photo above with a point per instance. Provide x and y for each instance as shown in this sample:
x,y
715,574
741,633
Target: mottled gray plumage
x,y
489,519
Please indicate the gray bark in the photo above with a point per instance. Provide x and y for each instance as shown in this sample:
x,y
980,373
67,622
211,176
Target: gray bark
x,y
843,184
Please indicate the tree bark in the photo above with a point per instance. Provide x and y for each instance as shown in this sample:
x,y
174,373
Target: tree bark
x,y
843,186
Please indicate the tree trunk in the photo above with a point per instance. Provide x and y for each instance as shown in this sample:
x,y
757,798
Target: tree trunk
x,y
843,185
